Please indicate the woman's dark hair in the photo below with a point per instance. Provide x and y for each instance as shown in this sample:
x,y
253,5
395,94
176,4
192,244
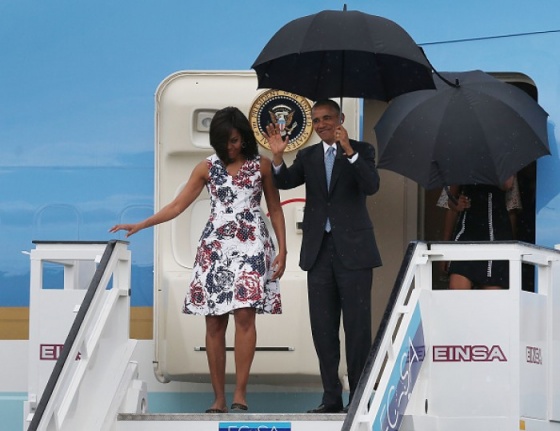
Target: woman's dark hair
x,y
223,122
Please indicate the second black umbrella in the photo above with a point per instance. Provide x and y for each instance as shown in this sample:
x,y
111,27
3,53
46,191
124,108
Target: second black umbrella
x,y
479,131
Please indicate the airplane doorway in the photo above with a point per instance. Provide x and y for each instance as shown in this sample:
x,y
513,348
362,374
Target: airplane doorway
x,y
433,216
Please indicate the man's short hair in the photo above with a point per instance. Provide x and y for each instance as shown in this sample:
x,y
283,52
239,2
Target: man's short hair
x,y
327,102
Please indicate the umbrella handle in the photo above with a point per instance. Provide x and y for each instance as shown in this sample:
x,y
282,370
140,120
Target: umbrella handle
x,y
450,195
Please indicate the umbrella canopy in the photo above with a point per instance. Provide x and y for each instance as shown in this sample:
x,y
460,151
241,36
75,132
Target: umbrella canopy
x,y
478,131
343,54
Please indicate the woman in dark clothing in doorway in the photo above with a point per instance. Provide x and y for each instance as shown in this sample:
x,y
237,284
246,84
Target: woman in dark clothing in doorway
x,y
483,216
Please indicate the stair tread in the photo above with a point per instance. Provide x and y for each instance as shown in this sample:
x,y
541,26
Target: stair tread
x,y
228,416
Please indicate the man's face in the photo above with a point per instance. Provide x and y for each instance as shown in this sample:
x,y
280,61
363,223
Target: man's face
x,y
325,120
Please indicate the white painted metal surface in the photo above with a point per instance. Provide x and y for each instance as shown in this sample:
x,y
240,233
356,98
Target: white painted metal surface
x,y
230,422
448,360
488,357
98,380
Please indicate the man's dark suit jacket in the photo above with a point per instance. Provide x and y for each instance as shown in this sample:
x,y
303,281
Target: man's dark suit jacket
x,y
344,203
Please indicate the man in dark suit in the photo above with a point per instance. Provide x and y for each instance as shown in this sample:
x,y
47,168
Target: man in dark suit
x,y
338,248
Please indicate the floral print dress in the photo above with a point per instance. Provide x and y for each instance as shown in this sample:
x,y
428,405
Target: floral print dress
x,y
232,267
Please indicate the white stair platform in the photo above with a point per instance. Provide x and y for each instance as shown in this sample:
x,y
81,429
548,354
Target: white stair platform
x,y
230,422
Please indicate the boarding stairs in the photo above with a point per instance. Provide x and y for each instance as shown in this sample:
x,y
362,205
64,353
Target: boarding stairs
x,y
80,370
441,361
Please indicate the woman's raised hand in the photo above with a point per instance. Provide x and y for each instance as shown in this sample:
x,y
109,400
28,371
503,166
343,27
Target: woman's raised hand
x,y
130,228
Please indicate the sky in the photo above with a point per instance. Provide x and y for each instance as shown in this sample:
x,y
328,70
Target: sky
x,y
79,77
77,85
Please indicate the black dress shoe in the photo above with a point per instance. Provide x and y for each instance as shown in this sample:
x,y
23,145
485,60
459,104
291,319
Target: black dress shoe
x,y
326,409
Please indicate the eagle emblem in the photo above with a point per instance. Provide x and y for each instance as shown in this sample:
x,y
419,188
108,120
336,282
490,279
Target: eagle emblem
x,y
283,116
290,112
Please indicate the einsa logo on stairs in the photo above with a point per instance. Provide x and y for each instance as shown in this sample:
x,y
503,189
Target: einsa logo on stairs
x,y
534,355
51,352
468,353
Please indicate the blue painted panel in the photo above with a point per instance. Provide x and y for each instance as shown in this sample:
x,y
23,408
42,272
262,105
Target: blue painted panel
x,y
403,377
11,410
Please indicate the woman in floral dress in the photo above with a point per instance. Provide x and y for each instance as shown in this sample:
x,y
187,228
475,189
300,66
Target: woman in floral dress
x,y
236,270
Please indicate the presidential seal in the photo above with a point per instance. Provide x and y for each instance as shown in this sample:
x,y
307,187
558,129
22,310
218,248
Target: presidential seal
x,y
291,112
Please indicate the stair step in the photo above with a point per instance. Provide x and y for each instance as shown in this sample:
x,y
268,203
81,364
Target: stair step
x,y
230,422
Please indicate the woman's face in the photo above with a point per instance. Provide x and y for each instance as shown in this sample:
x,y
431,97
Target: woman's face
x,y
234,145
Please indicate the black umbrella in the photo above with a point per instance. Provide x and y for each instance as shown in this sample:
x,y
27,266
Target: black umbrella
x,y
478,131
343,54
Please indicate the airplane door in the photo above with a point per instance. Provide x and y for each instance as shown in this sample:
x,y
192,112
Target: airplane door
x,y
185,104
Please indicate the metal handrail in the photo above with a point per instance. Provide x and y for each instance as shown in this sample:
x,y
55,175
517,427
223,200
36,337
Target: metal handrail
x,y
75,343
416,273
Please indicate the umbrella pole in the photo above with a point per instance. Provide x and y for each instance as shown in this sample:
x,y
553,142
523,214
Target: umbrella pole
x,y
342,80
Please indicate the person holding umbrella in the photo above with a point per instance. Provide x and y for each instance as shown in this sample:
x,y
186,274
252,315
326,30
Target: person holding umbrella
x,y
513,205
482,216
338,248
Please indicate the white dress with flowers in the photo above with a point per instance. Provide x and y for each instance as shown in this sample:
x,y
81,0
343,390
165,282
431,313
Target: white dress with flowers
x,y
232,267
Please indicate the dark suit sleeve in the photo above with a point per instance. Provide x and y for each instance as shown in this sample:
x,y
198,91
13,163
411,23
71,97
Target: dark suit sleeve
x,y
293,176
365,171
